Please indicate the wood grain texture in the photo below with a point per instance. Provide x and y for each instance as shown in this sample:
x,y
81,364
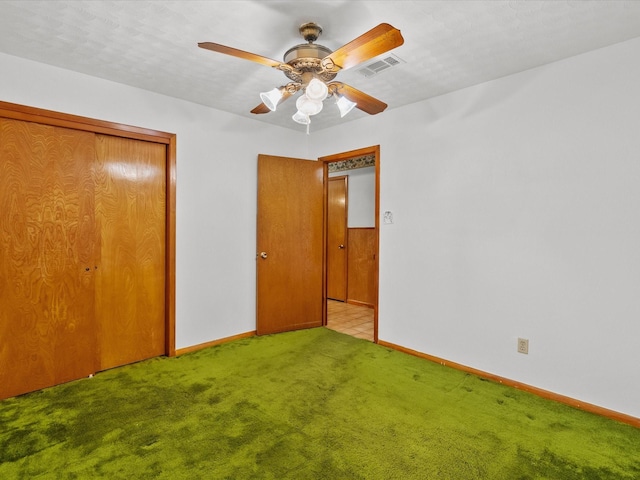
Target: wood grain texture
x,y
130,279
234,52
29,357
336,236
362,266
213,343
290,230
47,244
364,102
49,117
376,41
170,251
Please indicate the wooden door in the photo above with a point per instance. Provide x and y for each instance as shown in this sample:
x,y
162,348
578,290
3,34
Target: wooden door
x,y
337,246
289,260
47,256
130,280
362,266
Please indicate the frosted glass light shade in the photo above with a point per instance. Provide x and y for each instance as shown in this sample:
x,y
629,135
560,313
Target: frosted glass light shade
x,y
316,90
271,98
344,105
308,106
302,118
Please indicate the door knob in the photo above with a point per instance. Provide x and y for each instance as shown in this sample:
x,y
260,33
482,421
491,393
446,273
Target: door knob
x,y
263,255
340,246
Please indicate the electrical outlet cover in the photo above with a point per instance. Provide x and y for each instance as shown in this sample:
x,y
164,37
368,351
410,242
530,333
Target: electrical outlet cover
x,y
523,345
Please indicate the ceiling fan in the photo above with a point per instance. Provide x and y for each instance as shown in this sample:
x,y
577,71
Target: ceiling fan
x,y
311,69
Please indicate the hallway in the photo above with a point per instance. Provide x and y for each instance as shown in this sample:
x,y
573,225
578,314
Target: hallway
x,y
354,320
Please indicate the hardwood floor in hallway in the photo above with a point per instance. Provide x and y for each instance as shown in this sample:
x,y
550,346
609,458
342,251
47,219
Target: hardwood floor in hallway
x,y
354,320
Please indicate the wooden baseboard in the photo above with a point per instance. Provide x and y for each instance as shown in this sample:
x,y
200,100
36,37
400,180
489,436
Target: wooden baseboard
x,y
195,348
605,412
359,303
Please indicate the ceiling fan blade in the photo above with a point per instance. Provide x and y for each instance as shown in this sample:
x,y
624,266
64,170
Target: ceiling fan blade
x,y
234,52
262,108
375,42
364,102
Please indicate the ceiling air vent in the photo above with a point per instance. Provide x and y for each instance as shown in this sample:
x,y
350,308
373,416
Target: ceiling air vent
x,y
380,65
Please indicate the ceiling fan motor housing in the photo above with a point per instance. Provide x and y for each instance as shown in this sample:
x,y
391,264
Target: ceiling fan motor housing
x,y
307,57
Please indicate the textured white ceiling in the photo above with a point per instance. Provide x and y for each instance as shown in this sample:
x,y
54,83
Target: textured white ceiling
x,y
448,45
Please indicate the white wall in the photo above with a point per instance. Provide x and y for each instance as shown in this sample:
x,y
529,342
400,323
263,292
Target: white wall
x,y
361,202
216,185
516,213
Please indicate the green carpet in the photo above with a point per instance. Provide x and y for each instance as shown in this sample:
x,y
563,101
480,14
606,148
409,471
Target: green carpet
x,y
304,405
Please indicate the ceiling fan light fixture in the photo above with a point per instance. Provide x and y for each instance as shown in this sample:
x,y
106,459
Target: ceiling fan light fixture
x,y
271,98
344,105
308,106
317,90
301,117
311,68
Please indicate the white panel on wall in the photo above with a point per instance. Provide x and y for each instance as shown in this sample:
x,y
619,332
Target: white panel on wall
x,y
362,196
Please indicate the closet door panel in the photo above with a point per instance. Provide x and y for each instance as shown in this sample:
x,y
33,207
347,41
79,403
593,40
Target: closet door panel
x,y
47,256
131,212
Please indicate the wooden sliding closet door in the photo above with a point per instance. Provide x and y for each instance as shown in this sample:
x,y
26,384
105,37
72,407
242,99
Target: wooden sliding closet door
x,y
130,282
47,256
87,250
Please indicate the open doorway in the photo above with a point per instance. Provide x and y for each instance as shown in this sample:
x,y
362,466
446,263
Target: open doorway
x,y
352,226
